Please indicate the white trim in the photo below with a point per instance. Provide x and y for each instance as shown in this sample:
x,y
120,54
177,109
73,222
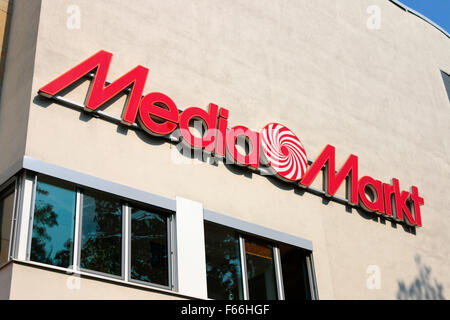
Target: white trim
x,y
312,277
96,183
173,253
13,185
25,216
76,234
278,273
32,208
191,258
256,230
126,238
243,267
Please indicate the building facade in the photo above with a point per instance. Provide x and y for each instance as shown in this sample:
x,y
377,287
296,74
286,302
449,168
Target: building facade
x,y
103,195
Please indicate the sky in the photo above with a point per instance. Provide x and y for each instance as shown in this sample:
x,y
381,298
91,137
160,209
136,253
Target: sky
x,y
437,11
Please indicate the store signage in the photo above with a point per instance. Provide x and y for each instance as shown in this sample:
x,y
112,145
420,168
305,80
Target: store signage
x,y
275,146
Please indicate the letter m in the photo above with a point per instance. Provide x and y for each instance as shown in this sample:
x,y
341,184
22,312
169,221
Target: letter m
x,y
98,93
333,180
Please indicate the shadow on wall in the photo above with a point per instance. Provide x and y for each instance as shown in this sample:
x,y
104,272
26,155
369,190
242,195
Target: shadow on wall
x,y
422,287
383,220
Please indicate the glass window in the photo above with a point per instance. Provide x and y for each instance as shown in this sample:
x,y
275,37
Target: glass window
x,y
149,247
53,223
6,213
295,273
101,234
446,79
260,270
223,264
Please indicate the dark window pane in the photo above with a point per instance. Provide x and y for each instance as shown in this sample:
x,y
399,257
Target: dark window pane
x,y
446,79
149,253
260,270
53,223
6,211
101,234
223,264
295,273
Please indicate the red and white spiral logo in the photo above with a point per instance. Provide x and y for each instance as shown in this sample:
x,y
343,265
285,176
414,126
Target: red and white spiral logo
x,y
284,152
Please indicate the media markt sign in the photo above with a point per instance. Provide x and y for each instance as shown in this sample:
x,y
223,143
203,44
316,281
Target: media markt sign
x,y
275,148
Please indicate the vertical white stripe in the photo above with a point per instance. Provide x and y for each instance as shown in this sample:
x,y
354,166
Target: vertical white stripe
x,y
190,248
243,267
127,239
25,216
278,273
76,235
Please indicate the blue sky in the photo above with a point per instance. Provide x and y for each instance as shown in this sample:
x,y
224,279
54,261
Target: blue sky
x,y
437,11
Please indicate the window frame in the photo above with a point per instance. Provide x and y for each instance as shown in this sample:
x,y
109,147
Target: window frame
x,y
80,236
126,205
243,234
26,182
34,177
12,183
170,245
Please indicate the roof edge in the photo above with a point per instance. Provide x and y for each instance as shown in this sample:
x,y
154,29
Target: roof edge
x,y
414,12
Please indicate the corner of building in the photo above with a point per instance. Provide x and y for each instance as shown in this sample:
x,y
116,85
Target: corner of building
x,y
20,23
5,280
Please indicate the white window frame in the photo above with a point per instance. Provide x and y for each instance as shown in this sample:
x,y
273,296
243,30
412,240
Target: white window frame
x,y
24,236
25,195
12,182
245,229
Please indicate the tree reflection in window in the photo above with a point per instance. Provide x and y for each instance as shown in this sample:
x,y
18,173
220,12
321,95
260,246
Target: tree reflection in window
x,y
101,238
149,259
223,264
53,223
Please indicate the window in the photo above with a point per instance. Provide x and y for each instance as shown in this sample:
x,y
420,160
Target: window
x,y
6,213
101,235
149,246
294,270
260,270
94,232
223,263
272,270
53,223
446,79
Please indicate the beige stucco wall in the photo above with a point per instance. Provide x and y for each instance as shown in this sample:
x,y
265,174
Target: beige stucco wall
x,y
313,66
5,280
29,282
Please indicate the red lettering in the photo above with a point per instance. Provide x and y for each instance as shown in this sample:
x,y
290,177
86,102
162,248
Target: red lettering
x,y
388,191
332,180
209,119
222,132
377,189
155,119
401,206
417,202
252,158
98,92
158,115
